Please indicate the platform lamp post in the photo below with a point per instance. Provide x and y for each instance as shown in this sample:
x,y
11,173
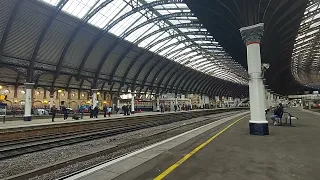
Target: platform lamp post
x,y
258,125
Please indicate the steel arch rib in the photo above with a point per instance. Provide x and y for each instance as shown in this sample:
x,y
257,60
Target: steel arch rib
x,y
9,25
195,81
115,22
173,75
201,86
192,81
43,33
152,45
158,72
165,75
181,78
126,34
164,29
187,79
75,33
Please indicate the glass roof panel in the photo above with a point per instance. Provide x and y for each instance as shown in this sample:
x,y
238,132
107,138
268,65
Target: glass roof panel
x,y
194,53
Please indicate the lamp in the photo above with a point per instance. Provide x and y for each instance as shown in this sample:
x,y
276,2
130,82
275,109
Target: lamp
x,y
98,93
59,91
0,87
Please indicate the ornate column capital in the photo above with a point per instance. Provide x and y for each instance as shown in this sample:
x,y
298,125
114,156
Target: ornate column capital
x,y
29,85
252,34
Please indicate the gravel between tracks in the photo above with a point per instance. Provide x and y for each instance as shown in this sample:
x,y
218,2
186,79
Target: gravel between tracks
x,y
35,160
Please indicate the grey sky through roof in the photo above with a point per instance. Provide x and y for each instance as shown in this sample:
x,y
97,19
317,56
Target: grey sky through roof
x,y
179,35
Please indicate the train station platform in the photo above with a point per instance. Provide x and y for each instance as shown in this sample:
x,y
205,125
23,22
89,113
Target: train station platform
x,y
59,120
225,150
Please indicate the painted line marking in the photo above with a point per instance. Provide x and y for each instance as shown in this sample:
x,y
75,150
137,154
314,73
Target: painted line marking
x,y
186,157
107,164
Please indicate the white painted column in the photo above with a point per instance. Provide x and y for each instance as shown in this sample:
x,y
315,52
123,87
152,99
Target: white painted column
x,y
118,103
28,102
203,101
51,101
132,103
258,123
158,103
94,97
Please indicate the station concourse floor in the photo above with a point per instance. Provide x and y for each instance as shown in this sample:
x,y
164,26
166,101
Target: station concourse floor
x,y
288,153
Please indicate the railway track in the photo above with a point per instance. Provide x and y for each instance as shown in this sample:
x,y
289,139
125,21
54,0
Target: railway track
x,y
160,136
10,149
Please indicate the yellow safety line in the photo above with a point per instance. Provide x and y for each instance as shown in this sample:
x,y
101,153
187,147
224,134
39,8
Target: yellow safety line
x,y
186,157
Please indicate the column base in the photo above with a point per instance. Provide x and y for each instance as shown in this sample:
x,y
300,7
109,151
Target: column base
x,y
132,112
259,129
27,118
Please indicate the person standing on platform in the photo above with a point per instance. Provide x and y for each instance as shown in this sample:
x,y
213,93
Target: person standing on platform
x,y
65,113
161,108
128,110
124,110
53,112
81,111
175,108
105,109
109,111
96,111
91,109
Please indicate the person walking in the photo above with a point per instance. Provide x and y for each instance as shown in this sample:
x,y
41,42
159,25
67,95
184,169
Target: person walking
x,y
53,112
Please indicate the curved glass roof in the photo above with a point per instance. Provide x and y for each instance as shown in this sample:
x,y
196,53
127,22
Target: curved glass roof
x,y
306,54
166,27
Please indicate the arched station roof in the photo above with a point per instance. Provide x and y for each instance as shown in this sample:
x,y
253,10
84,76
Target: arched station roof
x,y
281,18
305,62
115,45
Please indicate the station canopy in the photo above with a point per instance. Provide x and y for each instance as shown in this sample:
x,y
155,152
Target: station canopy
x,y
167,28
305,63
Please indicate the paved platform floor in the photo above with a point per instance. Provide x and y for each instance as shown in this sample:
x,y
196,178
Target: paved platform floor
x,y
288,153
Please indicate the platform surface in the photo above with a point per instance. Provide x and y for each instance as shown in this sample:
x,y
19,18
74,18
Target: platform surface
x,y
288,153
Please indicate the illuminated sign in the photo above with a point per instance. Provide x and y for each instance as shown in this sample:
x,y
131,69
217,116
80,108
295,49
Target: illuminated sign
x,y
3,97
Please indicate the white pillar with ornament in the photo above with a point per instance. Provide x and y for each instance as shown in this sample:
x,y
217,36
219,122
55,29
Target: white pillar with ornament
x,y
28,102
252,35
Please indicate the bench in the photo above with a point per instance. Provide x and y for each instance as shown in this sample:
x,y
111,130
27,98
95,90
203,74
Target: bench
x,y
288,117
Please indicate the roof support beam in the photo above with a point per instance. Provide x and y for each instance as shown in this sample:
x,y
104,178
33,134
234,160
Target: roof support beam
x,y
8,25
43,33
